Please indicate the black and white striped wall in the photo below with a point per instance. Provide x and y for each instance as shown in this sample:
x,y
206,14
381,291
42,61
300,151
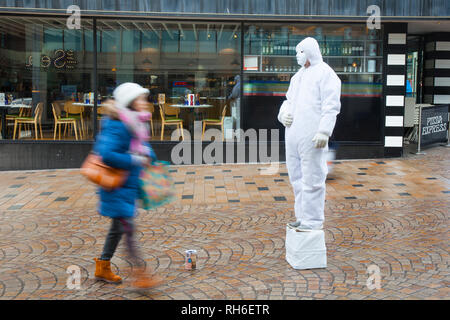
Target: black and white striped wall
x,y
394,87
437,68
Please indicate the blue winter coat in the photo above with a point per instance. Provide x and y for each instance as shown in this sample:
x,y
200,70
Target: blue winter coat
x,y
112,145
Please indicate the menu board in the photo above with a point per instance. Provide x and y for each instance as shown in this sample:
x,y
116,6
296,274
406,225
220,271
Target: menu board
x,y
251,63
161,98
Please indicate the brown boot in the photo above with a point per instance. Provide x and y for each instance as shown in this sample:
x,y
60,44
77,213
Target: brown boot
x,y
103,271
144,280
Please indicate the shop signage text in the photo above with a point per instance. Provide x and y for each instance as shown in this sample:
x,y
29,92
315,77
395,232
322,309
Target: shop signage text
x,y
61,59
434,125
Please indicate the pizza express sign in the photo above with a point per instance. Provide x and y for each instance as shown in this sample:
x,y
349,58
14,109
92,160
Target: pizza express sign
x,y
434,125
60,59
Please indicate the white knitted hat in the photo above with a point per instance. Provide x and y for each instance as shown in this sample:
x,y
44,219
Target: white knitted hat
x,y
127,92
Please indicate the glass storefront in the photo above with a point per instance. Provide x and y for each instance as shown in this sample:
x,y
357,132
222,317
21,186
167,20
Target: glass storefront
x,y
353,51
192,70
45,70
48,71
189,68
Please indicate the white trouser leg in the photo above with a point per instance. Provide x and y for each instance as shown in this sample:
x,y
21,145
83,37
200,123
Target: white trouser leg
x,y
314,174
293,165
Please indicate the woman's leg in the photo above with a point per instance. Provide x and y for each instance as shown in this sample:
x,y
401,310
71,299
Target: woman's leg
x,y
142,278
129,230
112,239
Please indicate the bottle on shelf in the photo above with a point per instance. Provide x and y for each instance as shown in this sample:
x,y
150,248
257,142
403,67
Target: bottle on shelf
x,y
372,49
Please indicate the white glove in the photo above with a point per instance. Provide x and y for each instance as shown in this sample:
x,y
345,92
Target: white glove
x,y
286,119
320,140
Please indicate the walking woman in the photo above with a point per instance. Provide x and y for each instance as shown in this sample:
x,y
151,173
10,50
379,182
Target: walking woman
x,y
122,144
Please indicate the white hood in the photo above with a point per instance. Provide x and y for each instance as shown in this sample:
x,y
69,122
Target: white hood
x,y
311,48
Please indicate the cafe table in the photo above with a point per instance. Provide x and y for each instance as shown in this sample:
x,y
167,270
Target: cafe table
x,y
191,108
86,104
90,105
194,108
4,112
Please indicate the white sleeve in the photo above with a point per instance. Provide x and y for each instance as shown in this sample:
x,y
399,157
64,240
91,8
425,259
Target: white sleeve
x,y
330,94
288,103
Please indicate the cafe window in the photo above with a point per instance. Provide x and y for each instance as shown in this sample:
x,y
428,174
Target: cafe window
x,y
354,53
45,79
189,68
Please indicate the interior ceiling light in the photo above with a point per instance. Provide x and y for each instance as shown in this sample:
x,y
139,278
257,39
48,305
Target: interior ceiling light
x,y
149,50
227,51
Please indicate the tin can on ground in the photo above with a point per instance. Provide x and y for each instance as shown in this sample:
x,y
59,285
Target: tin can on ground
x,y
191,260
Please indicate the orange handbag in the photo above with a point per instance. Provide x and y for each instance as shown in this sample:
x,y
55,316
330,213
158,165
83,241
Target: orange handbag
x,y
99,173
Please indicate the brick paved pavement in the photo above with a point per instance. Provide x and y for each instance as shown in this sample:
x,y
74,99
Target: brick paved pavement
x,y
391,213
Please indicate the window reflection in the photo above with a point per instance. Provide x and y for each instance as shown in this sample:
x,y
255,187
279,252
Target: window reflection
x,y
46,70
189,68
354,52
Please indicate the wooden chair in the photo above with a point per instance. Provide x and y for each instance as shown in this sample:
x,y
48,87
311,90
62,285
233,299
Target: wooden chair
x,y
23,112
36,120
215,122
171,112
169,122
75,112
60,121
151,109
101,112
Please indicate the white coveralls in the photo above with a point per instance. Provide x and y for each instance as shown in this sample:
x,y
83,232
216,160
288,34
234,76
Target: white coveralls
x,y
313,98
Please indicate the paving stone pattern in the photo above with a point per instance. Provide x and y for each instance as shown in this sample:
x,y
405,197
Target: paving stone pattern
x,y
235,218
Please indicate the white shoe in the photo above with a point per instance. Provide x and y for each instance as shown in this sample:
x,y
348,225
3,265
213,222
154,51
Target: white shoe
x,y
293,225
307,228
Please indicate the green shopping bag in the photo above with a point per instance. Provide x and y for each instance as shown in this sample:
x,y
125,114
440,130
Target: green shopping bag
x,y
156,187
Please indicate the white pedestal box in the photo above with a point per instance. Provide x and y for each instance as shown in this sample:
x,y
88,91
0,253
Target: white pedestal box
x,y
306,249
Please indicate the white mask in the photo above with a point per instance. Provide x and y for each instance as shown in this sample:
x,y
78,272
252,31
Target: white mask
x,y
301,58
